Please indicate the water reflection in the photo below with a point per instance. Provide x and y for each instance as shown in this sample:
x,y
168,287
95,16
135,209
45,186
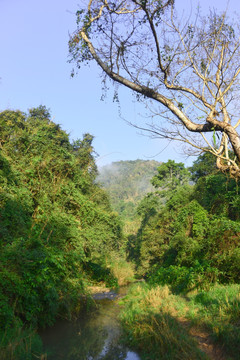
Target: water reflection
x,y
94,336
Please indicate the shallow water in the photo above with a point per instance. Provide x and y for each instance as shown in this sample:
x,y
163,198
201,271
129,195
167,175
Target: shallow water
x,y
93,336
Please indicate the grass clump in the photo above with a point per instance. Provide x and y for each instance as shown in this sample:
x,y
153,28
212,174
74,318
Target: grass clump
x,y
20,343
121,269
157,322
152,328
218,310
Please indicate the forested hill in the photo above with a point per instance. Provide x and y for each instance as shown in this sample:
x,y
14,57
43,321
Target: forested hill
x,y
127,182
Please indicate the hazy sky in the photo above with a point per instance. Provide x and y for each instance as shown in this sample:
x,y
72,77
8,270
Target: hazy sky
x,y
34,70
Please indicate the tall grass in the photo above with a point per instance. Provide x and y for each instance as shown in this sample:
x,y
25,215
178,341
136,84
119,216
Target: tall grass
x,y
19,343
121,269
157,322
153,330
218,310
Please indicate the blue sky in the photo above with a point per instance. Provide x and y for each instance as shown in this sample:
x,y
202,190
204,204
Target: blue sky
x,y
34,70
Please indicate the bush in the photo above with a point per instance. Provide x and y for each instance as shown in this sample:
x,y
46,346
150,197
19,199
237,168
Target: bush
x,y
184,279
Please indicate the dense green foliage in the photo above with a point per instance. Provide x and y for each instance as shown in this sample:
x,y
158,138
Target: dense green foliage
x,y
192,239
170,176
187,244
56,224
59,234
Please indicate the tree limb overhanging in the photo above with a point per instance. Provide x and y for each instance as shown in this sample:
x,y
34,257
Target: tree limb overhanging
x,y
191,69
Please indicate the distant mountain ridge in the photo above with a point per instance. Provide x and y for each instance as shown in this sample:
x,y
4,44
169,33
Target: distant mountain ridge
x,y
127,182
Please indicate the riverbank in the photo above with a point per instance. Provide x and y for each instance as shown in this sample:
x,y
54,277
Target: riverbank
x,y
203,325
94,334
20,340
156,323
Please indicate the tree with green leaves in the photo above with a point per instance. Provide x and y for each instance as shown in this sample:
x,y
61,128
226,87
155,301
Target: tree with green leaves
x,y
173,189
56,224
170,176
204,165
214,190
189,68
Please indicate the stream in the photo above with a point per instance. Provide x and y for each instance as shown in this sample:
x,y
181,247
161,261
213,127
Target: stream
x,y
95,335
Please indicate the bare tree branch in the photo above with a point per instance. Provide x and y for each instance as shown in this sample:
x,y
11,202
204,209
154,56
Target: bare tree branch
x,y
191,69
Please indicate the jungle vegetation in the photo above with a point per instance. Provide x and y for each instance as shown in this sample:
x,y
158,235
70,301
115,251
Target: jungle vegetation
x,y
59,234
57,227
187,249
191,231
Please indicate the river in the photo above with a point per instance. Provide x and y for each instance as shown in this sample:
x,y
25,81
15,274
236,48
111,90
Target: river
x,y
95,335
